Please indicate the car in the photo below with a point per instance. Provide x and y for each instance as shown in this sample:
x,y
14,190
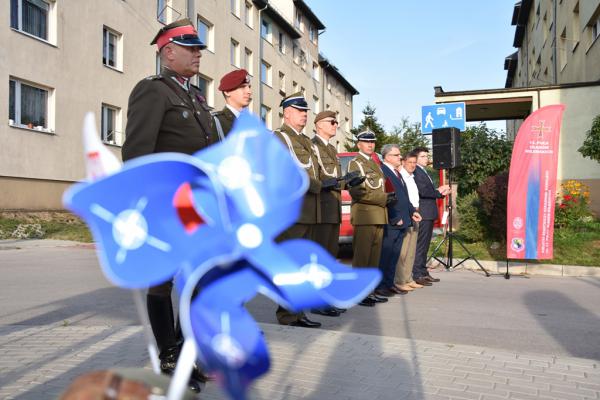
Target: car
x,y
346,229
440,111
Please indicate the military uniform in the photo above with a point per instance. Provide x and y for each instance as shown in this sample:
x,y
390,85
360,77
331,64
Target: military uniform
x,y
164,115
368,213
167,114
327,231
225,119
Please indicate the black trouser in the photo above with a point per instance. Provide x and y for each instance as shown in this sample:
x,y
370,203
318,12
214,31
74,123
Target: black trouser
x,y
423,242
162,320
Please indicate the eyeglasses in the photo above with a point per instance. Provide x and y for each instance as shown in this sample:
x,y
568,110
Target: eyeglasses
x,y
331,121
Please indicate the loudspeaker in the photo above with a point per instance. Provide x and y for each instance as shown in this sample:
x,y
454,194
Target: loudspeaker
x,y
446,148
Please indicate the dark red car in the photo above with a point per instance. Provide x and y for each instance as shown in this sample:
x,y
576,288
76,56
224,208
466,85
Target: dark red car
x,y
346,229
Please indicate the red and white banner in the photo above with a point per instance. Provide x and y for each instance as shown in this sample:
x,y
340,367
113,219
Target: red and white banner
x,y
532,186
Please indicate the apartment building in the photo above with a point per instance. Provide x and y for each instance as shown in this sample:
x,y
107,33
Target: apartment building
x,y
63,58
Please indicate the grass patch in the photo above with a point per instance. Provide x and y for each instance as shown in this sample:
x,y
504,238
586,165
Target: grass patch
x,y
572,246
59,225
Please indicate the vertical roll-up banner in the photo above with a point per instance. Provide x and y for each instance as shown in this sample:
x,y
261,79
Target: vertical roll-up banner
x,y
532,186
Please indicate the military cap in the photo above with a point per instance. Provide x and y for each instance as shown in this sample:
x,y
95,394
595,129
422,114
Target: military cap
x,y
366,136
295,100
325,114
234,80
181,32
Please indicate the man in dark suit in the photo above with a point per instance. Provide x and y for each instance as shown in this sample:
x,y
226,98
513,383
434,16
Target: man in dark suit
x,y
428,195
237,91
401,213
168,114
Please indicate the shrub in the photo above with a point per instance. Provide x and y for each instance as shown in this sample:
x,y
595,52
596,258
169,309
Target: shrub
x,y
470,217
572,204
492,194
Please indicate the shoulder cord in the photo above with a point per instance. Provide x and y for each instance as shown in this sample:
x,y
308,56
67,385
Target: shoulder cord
x,y
219,127
307,165
334,173
362,171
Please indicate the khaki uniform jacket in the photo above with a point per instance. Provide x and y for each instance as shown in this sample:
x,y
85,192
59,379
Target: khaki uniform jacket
x,y
368,199
301,149
329,167
164,117
226,117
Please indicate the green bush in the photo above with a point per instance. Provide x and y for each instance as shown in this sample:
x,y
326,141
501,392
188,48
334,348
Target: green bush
x,y
470,218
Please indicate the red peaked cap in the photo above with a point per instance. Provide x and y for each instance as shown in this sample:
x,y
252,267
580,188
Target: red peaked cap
x,y
234,80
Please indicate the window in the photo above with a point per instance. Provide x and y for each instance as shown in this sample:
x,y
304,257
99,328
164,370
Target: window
x,y
265,31
562,49
294,87
30,16
109,131
303,91
315,71
110,47
265,115
281,82
249,15
205,84
27,106
161,11
303,60
248,62
158,64
205,33
595,29
575,27
316,105
235,7
234,54
346,124
313,34
296,54
265,73
298,21
281,43
347,98
327,107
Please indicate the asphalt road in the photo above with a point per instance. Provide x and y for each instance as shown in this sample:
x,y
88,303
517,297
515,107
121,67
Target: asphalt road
x,y
550,315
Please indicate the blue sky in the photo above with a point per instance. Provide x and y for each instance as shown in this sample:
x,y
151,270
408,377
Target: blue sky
x,y
395,51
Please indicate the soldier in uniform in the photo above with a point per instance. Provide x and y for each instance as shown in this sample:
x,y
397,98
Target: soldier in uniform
x,y
168,114
368,213
295,110
237,91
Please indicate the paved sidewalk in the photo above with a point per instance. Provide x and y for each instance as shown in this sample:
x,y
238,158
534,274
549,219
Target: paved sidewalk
x,y
39,362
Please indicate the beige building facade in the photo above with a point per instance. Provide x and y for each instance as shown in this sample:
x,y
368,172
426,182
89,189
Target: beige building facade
x,y
63,58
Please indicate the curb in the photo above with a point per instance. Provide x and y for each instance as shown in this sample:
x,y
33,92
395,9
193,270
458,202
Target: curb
x,y
524,268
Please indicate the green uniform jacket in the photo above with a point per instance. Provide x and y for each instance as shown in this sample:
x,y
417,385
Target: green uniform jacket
x,y
164,117
302,150
226,117
369,198
331,204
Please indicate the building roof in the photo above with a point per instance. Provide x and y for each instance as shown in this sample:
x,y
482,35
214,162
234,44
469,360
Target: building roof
x,y
332,69
510,65
278,18
309,13
520,18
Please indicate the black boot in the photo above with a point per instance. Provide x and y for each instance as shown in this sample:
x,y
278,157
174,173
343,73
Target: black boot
x,y
160,313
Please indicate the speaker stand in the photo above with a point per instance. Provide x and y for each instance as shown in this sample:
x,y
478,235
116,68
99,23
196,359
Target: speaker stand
x,y
449,240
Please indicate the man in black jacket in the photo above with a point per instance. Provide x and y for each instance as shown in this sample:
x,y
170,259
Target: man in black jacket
x,y
428,195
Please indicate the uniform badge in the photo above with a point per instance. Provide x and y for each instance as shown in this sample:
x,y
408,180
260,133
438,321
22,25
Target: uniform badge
x,y
185,114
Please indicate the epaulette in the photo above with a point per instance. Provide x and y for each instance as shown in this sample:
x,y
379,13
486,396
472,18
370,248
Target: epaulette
x,y
154,77
216,113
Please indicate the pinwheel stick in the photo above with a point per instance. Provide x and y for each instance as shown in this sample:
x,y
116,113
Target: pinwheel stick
x,y
150,343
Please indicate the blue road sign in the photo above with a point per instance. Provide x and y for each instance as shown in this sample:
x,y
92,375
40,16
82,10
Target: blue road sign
x,y
443,116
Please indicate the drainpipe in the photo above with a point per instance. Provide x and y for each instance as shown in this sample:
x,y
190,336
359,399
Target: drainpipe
x,y
554,50
191,10
260,55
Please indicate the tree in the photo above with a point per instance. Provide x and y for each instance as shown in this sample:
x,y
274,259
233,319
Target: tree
x,y
368,123
484,153
591,144
409,136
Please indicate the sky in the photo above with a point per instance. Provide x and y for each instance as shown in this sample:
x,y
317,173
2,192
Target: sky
x,y
395,51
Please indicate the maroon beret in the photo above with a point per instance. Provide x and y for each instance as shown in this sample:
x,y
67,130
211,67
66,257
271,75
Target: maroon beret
x,y
234,80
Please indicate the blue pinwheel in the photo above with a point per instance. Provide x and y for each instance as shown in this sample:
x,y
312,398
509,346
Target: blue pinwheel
x,y
210,221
